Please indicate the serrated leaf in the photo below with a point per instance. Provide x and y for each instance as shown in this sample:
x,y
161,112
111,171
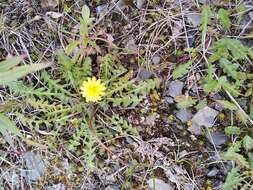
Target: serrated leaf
x,y
185,101
206,15
232,154
181,70
6,125
231,69
232,130
19,72
248,143
9,63
224,18
227,105
233,180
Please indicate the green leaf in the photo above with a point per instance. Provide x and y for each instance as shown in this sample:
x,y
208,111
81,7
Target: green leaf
x,y
248,143
201,104
227,105
9,63
85,13
233,180
181,70
6,125
206,15
232,130
72,46
224,18
231,69
226,46
232,154
185,101
19,72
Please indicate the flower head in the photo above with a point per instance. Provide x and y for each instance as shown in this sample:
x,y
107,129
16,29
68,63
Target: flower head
x,y
92,89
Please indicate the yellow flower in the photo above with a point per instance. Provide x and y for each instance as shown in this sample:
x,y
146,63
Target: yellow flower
x,y
92,89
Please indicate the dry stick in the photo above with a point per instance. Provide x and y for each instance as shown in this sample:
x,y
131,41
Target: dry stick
x,y
94,133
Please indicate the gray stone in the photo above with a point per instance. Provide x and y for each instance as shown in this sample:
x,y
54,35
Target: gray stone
x,y
112,188
204,117
184,115
156,59
194,19
140,3
144,74
35,166
217,138
213,172
58,186
169,100
175,88
189,186
158,184
131,45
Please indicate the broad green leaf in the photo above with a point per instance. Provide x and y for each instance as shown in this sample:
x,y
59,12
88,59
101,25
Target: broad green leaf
x,y
181,70
6,125
206,15
9,63
224,18
248,143
72,46
232,130
85,13
19,72
227,105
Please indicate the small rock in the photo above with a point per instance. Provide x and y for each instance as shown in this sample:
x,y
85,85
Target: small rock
x,y
144,74
12,178
35,166
150,120
131,45
189,186
175,88
194,19
213,172
156,59
158,184
54,15
169,100
184,115
58,186
140,3
217,138
112,188
204,117
49,3
101,9
110,178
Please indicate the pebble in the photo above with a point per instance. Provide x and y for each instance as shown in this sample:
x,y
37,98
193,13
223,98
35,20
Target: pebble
x,y
213,172
204,117
217,138
184,115
175,88
156,59
158,184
